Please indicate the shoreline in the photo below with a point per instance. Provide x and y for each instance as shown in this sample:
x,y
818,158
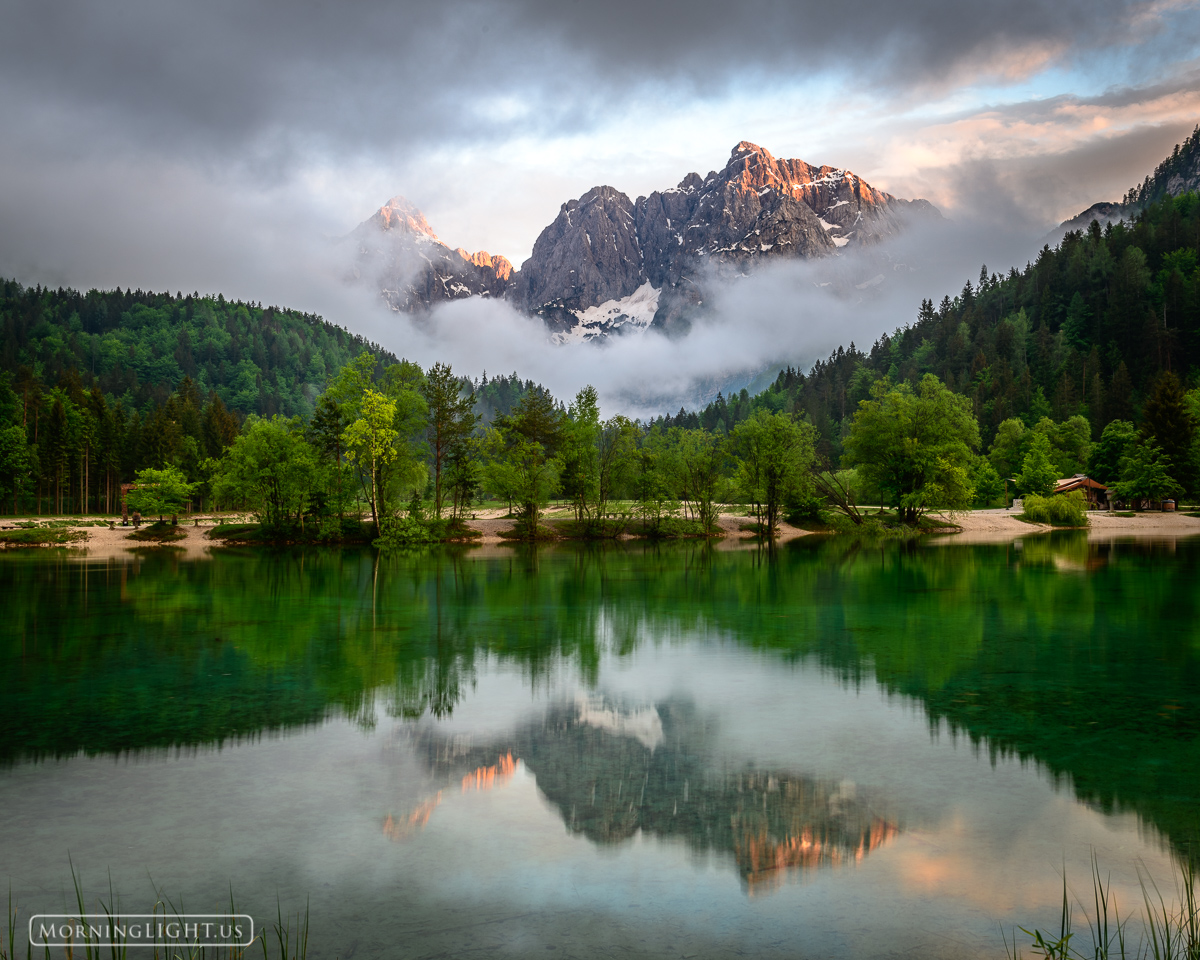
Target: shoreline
x,y
977,526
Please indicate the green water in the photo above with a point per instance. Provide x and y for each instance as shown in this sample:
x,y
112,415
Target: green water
x,y
827,750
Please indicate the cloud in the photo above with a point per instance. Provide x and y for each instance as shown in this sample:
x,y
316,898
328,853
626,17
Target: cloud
x,y
215,146
1041,160
784,312
277,81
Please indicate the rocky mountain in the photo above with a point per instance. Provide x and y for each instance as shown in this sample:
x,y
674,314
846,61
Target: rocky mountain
x,y
609,263
1176,175
398,250
615,770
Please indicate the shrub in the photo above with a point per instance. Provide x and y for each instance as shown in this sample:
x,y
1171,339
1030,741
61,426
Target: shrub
x,y
234,531
157,533
1065,510
670,528
401,531
405,531
38,538
800,509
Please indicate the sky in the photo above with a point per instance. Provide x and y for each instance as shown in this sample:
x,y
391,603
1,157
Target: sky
x,y
219,146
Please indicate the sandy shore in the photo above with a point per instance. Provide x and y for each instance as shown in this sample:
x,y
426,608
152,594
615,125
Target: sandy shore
x,y
104,543
997,526
977,526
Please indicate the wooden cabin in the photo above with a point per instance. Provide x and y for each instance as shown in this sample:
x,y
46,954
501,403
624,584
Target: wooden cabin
x,y
1096,493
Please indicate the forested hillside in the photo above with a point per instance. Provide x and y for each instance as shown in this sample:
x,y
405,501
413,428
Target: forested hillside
x,y
1087,330
96,386
1086,360
137,347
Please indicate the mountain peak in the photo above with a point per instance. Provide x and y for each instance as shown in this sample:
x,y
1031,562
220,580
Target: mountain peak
x,y
400,214
494,262
744,149
605,252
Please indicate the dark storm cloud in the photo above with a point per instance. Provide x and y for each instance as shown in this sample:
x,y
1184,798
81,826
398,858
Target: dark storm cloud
x,y
272,80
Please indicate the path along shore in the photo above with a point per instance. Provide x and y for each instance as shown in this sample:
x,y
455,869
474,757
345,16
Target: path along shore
x,y
976,526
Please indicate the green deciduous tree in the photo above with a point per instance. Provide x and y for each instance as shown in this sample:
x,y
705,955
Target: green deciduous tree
x,y
159,492
387,451
1008,448
1038,473
917,446
989,485
372,441
580,476
1145,474
1070,443
272,468
616,449
774,455
701,460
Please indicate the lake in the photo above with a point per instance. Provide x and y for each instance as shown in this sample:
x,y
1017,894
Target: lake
x,y
833,749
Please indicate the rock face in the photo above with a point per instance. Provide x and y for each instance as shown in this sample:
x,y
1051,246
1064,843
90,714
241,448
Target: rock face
x,y
398,250
588,256
608,263
603,247
1176,175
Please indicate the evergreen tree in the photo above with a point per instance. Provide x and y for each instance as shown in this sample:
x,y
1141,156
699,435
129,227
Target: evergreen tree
x,y
450,421
1167,421
1104,462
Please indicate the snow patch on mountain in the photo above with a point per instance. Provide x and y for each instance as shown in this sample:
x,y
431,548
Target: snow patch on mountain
x,y
634,312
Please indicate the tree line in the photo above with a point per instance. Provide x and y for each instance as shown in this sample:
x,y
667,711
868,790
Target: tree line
x,y
395,453
405,452
1093,329
409,450
1086,362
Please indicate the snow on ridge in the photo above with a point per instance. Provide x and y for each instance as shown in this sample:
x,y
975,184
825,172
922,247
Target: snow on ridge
x,y
643,725
635,311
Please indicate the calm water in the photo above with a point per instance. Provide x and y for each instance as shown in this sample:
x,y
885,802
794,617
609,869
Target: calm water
x,y
829,751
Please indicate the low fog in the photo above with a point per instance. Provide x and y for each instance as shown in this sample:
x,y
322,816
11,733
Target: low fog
x,y
785,312
279,246
222,148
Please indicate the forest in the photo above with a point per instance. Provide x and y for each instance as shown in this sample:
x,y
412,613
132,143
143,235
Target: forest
x,y
1087,361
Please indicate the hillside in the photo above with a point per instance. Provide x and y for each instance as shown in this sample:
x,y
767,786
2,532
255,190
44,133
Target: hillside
x,y
137,347
1085,330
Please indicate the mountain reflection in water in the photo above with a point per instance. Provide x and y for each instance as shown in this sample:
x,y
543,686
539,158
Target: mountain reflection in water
x,y
1081,657
611,770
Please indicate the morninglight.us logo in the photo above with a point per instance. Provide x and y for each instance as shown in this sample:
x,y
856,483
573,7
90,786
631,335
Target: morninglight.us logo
x,y
141,930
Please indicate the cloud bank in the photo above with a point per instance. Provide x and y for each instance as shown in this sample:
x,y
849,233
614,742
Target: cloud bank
x,y
784,312
217,146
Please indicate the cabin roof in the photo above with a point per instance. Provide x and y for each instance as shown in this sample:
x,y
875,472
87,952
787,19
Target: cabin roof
x,y
1077,482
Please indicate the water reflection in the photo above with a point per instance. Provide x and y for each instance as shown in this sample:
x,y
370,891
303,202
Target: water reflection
x,y
1082,657
612,770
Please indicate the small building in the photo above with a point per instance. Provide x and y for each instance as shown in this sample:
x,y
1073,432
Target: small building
x,y
1096,493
